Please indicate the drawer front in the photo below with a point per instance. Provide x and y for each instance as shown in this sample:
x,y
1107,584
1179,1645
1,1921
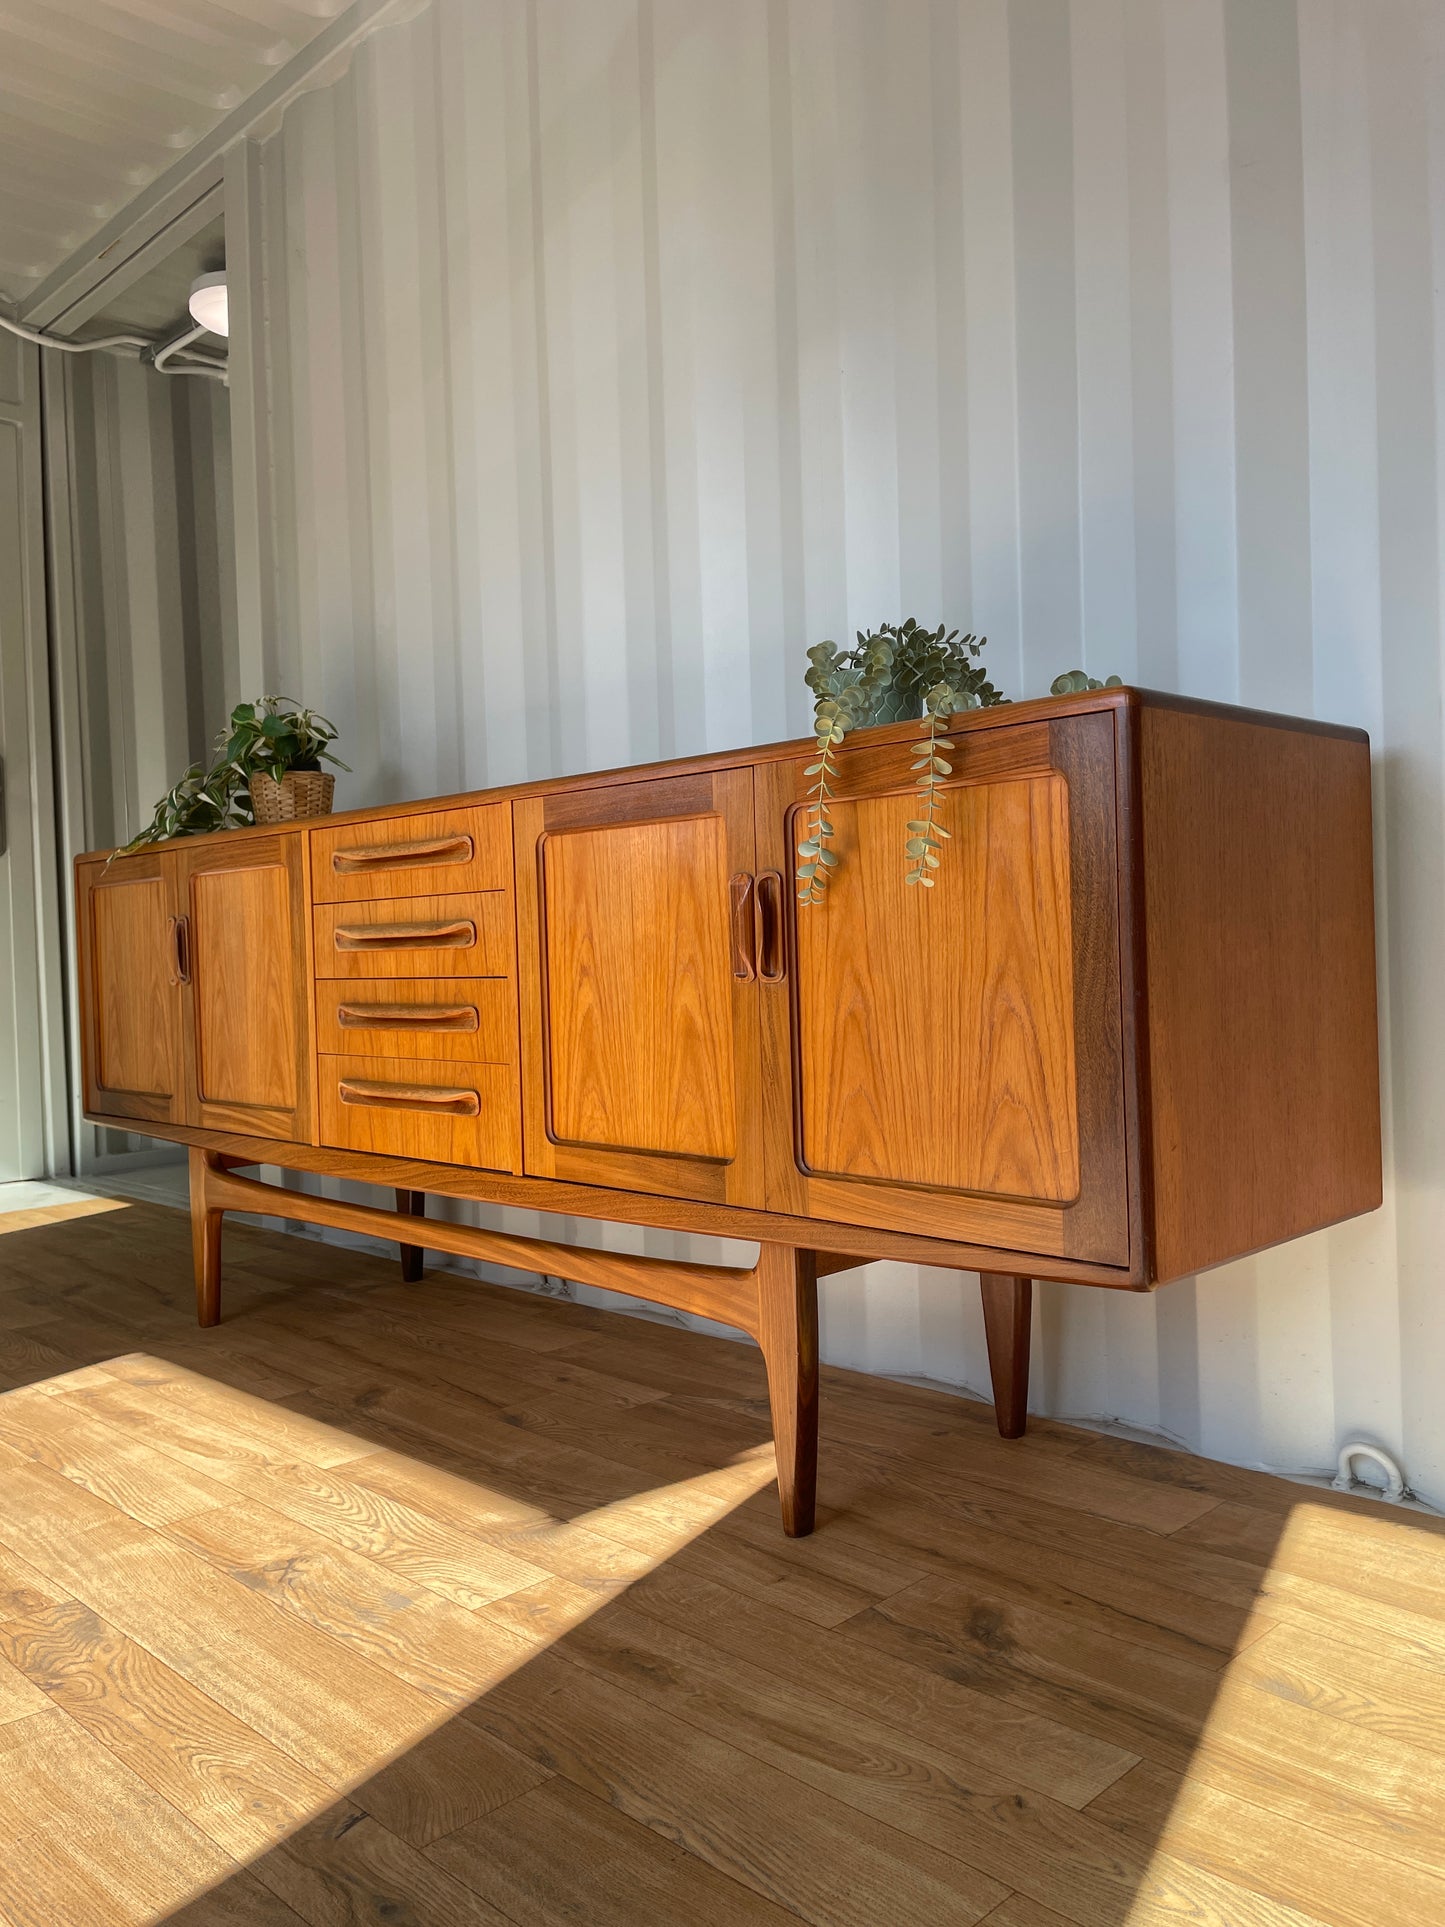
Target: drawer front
x,y
470,1020
466,1114
438,853
452,936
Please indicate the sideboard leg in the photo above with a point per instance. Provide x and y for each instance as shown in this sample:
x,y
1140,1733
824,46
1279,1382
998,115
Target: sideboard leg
x,y
1007,1306
205,1243
411,1204
788,1334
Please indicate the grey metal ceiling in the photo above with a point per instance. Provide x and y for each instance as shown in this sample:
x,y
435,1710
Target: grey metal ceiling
x,y
97,97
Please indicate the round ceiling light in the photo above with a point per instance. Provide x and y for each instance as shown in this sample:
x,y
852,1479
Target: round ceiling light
x,y
208,303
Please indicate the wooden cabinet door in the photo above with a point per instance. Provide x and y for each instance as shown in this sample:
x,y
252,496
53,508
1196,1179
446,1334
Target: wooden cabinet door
x,y
949,1060
130,993
640,1048
248,991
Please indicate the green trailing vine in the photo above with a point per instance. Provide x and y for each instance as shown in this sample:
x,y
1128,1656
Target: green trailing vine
x,y
266,737
925,833
895,673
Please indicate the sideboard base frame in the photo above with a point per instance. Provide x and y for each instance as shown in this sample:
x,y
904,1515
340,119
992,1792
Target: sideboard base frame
x,y
775,1301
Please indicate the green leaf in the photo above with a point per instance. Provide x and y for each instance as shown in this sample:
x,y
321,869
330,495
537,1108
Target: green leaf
x,y
810,847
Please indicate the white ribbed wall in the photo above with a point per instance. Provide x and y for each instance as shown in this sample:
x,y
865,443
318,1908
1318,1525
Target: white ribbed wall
x,y
616,350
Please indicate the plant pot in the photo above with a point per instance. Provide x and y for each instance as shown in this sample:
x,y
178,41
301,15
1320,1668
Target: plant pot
x,y
894,705
300,792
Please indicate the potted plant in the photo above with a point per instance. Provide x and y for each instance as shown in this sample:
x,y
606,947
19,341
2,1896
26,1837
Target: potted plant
x,y
276,749
893,675
266,768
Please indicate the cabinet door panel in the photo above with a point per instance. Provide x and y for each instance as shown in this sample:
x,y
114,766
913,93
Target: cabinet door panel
x,y
950,1060
937,1046
640,1035
130,990
248,995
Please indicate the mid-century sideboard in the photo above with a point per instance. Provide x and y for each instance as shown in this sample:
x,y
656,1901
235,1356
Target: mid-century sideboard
x,y
1128,1035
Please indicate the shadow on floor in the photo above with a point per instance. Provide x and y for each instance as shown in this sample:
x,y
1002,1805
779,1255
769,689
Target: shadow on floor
x,y
992,1686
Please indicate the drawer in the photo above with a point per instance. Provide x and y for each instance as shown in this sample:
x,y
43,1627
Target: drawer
x,y
466,1019
453,936
413,856
468,1114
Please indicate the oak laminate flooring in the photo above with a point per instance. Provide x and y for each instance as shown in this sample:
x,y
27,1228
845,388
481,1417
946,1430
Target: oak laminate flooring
x,y
447,1604
563,1854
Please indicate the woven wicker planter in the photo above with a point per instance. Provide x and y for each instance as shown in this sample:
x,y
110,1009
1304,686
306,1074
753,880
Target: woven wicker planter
x,y
300,792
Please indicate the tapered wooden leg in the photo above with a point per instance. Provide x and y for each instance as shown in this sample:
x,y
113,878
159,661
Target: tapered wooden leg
x,y
788,1334
205,1243
1007,1307
412,1204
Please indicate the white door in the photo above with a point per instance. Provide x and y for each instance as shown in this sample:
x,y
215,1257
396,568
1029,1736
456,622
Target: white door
x,y
28,1120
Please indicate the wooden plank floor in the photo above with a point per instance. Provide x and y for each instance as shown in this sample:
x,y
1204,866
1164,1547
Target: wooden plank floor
x,y
447,1604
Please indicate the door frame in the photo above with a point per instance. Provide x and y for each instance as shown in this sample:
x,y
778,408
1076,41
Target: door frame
x,y
29,866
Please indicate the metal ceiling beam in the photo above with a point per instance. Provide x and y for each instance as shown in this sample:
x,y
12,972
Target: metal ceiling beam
x,y
188,194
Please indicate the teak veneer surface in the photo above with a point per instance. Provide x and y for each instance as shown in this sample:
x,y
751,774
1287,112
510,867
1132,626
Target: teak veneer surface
x,y
446,1604
1127,1031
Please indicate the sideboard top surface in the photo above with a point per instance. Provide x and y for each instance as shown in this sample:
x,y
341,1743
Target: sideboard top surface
x,y
1127,700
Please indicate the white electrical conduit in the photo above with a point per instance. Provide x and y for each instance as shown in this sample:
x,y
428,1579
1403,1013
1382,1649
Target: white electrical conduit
x,y
194,365
177,345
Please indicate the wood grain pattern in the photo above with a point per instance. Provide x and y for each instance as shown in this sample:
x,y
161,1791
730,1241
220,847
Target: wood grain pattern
x,y
463,1019
440,1657
130,1007
465,935
635,1031
135,1031
936,1041
617,1205
423,854
1069,1103
240,962
1260,935
246,1020
638,1006
451,1112
1068,1119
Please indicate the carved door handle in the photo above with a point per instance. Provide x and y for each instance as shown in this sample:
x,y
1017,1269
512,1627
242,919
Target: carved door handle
x,y
402,856
772,958
459,935
408,1097
179,937
452,1017
740,889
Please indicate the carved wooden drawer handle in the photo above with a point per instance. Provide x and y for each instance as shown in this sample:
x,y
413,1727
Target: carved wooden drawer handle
x,y
402,856
407,1016
408,1097
460,935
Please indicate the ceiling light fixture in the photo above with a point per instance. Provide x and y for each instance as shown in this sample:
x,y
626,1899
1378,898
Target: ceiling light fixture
x,y
208,303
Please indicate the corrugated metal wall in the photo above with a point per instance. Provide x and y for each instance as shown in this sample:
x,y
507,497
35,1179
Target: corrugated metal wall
x,y
616,350
150,621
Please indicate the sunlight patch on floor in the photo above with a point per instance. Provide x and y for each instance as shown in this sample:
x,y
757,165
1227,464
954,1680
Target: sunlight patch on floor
x,y
238,1604
26,1204
1333,1702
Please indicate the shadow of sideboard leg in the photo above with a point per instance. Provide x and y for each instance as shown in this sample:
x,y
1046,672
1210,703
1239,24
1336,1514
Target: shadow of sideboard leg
x,y
411,1204
1007,1305
788,1335
205,1243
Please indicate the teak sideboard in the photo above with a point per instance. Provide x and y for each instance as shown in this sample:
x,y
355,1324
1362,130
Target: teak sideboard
x,y
1128,1035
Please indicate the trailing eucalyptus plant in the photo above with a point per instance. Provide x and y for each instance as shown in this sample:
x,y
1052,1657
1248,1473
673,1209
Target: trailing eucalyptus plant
x,y
893,674
266,737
